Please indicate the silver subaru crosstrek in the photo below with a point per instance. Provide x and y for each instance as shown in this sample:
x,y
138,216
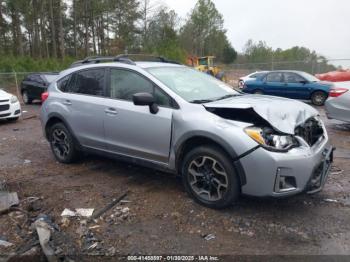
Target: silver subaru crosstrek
x,y
171,117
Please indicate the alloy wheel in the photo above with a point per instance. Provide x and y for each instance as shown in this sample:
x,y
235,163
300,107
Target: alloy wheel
x,y
207,178
60,143
319,99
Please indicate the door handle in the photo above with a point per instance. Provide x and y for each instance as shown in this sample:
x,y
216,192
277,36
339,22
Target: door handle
x,y
67,102
111,111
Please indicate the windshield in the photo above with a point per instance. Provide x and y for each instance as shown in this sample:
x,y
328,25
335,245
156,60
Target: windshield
x,y
192,85
309,77
257,75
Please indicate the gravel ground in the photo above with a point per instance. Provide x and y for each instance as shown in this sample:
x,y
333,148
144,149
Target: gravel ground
x,y
158,216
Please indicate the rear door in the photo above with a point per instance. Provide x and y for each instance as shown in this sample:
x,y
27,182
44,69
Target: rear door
x,y
273,84
84,103
297,86
133,130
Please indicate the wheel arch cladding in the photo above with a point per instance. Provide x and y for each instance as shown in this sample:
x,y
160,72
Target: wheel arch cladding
x,y
195,139
319,90
57,118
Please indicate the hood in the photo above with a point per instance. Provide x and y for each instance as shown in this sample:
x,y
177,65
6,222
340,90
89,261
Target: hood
x,y
282,114
4,95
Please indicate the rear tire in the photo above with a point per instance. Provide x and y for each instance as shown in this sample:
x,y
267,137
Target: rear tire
x,y
318,98
62,144
26,99
210,177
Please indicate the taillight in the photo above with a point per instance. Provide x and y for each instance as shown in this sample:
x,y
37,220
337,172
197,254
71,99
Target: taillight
x,y
44,96
335,92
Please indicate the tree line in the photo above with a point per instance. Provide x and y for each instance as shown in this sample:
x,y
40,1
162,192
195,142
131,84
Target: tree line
x,y
50,34
80,28
260,55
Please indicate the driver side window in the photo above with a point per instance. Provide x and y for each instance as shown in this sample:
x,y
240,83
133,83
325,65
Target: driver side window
x,y
293,78
125,83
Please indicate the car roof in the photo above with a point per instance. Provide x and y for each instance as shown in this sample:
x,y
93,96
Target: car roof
x,y
143,65
286,71
156,64
43,73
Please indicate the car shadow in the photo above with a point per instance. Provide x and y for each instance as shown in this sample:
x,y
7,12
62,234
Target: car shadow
x,y
159,181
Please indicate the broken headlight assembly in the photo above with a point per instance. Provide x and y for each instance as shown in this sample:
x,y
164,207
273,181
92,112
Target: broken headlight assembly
x,y
270,140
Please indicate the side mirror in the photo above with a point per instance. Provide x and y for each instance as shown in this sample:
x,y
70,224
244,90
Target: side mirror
x,y
145,99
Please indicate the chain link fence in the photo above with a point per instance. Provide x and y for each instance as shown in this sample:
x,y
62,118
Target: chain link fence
x,y
235,71
10,82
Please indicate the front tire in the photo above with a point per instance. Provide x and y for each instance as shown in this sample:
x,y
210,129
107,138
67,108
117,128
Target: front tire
x,y
318,98
62,144
210,178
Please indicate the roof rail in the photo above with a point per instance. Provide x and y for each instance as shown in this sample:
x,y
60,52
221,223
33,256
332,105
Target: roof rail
x,y
148,58
98,59
123,58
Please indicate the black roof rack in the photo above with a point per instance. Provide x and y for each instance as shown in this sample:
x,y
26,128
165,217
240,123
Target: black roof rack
x,y
123,58
148,58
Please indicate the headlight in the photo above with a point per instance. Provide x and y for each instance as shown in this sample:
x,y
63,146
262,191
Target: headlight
x,y
268,138
13,99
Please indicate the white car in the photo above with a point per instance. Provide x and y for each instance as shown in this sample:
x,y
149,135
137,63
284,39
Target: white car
x,y
251,76
10,107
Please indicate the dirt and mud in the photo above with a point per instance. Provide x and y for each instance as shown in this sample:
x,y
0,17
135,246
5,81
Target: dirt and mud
x,y
157,216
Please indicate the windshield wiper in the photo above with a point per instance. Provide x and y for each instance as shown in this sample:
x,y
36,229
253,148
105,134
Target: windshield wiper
x,y
226,96
201,101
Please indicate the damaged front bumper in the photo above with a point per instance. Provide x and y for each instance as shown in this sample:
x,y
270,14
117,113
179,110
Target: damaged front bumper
x,y
320,174
283,174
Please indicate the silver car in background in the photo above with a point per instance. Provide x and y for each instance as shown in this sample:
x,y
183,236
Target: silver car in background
x,y
338,102
171,117
251,76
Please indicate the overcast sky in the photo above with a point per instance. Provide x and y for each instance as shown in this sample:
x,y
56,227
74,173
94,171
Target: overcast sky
x,y
321,25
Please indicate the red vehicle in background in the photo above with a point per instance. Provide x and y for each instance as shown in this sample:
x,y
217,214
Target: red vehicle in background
x,y
335,76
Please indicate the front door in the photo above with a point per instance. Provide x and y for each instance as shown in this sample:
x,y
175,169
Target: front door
x,y
133,130
297,86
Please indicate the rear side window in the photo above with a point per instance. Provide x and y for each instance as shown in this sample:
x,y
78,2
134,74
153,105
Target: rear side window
x,y
87,82
274,77
62,84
